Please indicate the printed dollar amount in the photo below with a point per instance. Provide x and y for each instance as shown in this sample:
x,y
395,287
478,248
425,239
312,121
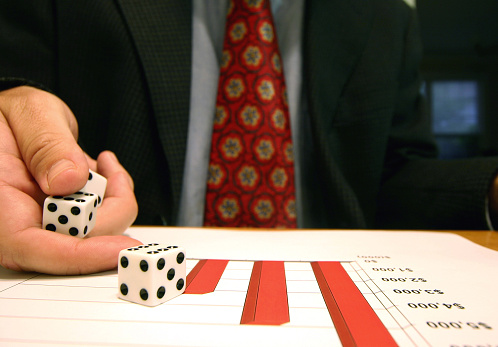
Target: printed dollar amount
x,y
392,269
403,279
435,305
459,325
418,291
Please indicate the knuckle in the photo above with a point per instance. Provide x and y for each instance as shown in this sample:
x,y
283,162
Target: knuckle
x,y
28,102
40,149
32,108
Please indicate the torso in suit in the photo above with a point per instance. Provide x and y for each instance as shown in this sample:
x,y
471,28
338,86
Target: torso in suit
x,y
123,67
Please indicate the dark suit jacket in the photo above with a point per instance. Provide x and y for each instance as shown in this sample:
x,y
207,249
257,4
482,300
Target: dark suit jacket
x,y
123,67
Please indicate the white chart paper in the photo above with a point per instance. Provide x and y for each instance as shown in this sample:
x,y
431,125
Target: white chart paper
x,y
428,289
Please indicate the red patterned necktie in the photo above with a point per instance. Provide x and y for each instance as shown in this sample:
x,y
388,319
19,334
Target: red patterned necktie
x,y
251,172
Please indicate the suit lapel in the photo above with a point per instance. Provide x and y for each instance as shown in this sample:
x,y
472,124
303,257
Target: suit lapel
x,y
161,31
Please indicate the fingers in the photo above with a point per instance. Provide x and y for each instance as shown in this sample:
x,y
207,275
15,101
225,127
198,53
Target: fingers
x,y
119,208
45,131
109,165
493,201
52,253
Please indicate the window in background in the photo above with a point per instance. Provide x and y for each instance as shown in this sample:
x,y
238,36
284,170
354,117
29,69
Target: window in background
x,y
412,3
455,110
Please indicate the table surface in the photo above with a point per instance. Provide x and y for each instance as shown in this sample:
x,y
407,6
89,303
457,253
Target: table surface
x,y
484,238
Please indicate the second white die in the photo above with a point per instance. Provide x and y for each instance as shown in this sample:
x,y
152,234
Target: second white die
x,y
73,214
97,185
151,274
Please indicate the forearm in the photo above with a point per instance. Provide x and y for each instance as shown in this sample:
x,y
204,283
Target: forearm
x,y
28,44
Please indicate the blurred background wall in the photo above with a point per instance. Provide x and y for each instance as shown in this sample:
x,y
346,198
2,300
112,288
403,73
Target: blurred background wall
x,y
460,68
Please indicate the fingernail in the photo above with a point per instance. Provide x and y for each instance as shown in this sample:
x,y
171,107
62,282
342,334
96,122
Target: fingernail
x,y
59,167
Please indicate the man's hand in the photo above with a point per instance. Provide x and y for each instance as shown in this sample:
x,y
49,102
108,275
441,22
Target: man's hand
x,y
39,156
493,202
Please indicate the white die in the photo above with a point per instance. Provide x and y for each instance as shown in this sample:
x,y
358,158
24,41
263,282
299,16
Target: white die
x,y
73,214
151,274
97,185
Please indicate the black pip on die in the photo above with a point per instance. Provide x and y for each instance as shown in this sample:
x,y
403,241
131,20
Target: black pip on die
x,y
151,274
73,214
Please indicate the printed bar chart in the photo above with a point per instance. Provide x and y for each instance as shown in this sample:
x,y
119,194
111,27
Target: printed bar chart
x,y
266,302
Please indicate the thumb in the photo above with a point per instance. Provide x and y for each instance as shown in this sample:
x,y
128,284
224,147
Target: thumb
x,y
46,130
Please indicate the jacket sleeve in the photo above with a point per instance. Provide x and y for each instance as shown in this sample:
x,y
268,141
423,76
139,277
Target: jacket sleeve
x,y
27,44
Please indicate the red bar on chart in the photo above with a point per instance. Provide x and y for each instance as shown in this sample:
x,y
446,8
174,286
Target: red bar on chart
x,y
334,311
356,322
249,310
266,301
204,277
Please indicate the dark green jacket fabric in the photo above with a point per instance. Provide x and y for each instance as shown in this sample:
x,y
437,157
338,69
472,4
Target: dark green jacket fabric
x,y
123,67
